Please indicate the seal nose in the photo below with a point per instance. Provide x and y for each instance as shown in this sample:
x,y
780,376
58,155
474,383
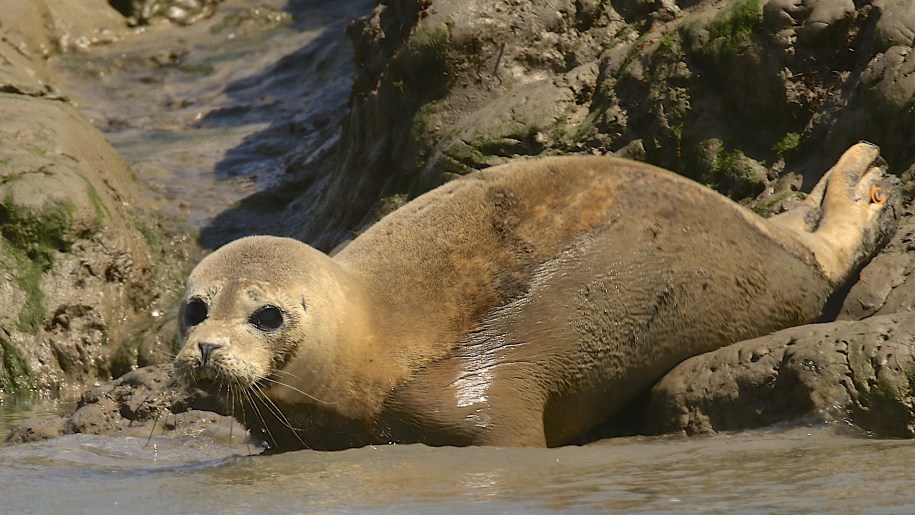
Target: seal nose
x,y
205,350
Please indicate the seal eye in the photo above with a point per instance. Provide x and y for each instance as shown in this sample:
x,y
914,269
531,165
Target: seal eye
x,y
195,312
267,318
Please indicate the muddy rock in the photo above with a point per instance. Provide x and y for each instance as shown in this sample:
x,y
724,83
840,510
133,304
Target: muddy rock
x,y
846,372
775,89
142,403
22,75
80,266
886,285
83,269
184,12
38,28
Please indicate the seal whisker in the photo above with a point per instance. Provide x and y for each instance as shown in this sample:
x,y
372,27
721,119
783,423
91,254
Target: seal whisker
x,y
277,412
152,430
249,394
231,401
269,404
235,391
230,396
293,388
284,371
273,407
227,398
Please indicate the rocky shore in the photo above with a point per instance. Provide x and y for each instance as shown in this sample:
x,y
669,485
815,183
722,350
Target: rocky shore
x,y
753,98
87,275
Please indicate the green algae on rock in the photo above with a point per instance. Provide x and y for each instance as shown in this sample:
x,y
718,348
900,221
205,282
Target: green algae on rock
x,y
79,271
15,372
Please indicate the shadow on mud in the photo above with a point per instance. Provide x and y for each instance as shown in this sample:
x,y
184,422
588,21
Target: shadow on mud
x,y
301,100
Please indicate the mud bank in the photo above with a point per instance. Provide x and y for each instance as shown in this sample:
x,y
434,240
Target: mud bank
x,y
86,272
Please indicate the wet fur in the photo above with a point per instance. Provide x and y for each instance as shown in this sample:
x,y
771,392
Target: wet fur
x,y
522,305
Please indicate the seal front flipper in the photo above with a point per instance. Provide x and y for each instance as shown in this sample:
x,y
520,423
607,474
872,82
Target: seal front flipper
x,y
468,400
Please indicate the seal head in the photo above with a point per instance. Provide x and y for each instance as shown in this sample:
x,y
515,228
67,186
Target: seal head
x,y
256,305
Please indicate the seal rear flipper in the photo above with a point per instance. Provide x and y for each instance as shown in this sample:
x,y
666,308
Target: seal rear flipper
x,y
860,209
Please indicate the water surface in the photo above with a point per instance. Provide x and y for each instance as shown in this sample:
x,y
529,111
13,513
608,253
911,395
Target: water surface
x,y
776,471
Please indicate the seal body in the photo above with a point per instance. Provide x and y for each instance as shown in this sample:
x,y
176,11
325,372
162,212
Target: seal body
x,y
522,305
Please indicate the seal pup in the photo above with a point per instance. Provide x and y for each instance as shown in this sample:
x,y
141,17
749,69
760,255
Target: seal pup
x,y
517,306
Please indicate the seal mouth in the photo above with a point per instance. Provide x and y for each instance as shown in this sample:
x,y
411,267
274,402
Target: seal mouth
x,y
210,379
216,383
208,385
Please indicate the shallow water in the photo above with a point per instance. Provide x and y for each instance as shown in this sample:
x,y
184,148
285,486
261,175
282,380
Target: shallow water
x,y
777,471
14,408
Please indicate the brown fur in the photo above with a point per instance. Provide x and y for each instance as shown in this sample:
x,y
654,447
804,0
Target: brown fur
x,y
522,305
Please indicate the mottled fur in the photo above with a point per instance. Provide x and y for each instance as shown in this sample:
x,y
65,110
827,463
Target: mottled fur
x,y
521,305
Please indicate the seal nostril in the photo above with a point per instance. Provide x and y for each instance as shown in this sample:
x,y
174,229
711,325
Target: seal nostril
x,y
205,350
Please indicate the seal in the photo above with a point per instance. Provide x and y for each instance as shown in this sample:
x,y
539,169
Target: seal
x,y
521,305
